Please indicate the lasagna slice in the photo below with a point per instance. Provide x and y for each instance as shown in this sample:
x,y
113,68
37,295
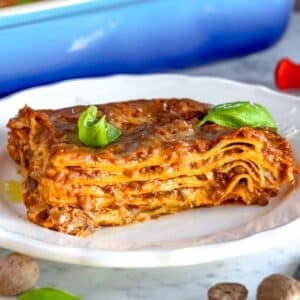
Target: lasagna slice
x,y
162,163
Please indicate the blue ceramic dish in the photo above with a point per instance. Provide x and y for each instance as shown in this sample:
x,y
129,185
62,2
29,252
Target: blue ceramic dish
x,y
56,40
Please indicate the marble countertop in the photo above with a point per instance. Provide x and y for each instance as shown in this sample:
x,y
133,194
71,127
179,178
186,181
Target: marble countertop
x,y
190,282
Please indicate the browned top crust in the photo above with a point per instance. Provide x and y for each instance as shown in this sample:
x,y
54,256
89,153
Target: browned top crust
x,y
147,125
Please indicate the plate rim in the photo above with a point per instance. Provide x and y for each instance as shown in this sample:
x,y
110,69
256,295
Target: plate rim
x,y
156,257
148,258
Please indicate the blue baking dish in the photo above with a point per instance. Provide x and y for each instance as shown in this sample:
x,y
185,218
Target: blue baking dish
x,y
56,40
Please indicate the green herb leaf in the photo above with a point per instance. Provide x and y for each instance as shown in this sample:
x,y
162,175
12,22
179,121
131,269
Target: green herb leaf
x,y
24,1
94,132
47,294
238,114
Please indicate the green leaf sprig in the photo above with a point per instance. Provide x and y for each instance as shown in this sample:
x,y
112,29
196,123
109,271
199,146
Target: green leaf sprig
x,y
20,2
95,132
239,114
47,294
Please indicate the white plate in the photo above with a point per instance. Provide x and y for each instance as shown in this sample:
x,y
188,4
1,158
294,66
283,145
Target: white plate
x,y
194,236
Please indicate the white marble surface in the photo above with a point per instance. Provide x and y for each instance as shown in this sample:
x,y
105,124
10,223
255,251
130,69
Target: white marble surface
x,y
190,282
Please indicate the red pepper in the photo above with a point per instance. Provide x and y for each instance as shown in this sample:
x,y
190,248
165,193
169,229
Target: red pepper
x,y
287,74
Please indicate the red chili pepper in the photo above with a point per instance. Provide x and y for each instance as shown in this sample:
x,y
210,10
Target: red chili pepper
x,y
287,74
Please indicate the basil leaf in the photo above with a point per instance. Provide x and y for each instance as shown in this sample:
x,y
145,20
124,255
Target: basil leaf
x,y
47,294
238,114
93,132
24,1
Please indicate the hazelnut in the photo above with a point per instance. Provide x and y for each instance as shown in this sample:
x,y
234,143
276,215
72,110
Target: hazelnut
x,y
228,291
278,287
18,273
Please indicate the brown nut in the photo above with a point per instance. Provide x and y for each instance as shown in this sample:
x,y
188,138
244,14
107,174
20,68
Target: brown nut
x,y
18,273
227,291
278,287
